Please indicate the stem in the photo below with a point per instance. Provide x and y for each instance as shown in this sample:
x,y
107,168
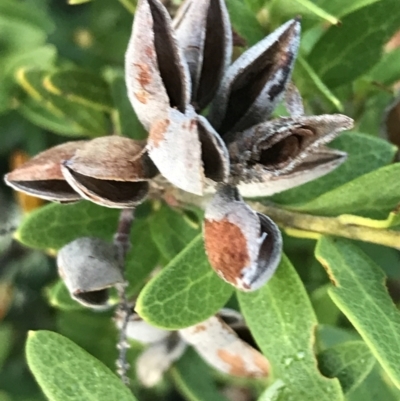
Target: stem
x,y
122,243
291,221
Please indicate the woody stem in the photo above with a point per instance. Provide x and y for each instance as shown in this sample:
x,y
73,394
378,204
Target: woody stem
x,y
122,243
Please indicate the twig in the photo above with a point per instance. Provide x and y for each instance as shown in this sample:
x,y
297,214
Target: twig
x,y
122,243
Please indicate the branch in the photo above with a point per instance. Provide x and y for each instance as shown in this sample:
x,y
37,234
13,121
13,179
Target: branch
x,y
122,243
313,226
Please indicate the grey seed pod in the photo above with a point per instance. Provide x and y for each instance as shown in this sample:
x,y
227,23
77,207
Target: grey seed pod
x,y
157,75
42,177
220,346
186,150
260,182
158,358
286,152
243,247
139,330
89,267
256,81
204,34
111,171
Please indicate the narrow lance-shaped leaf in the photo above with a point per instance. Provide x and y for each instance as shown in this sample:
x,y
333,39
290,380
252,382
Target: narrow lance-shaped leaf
x,y
355,277
281,319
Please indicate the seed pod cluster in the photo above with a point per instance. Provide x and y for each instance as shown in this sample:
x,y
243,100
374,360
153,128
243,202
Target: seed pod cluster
x,y
209,124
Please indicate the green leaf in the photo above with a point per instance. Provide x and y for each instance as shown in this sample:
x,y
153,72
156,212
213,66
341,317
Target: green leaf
x,y
142,258
325,309
344,53
282,322
55,225
43,56
372,195
359,147
25,14
125,119
39,115
310,83
66,372
6,340
193,378
244,21
318,11
171,231
376,386
387,71
185,292
343,7
58,297
360,293
350,362
82,87
84,119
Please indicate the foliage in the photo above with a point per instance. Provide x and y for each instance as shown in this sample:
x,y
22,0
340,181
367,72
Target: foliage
x,y
327,321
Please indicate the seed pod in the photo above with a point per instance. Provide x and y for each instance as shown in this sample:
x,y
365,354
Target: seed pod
x,y
41,176
158,358
256,81
111,171
89,268
186,150
139,330
157,75
220,346
243,247
280,154
204,34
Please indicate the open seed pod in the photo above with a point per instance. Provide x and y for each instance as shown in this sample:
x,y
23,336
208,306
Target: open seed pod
x,y
286,152
42,177
186,149
204,34
243,247
256,81
89,268
222,348
157,75
111,171
139,330
183,146
158,358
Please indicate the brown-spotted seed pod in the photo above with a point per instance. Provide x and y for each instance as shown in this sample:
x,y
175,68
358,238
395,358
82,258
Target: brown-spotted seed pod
x,y
41,176
221,347
112,171
89,267
243,247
